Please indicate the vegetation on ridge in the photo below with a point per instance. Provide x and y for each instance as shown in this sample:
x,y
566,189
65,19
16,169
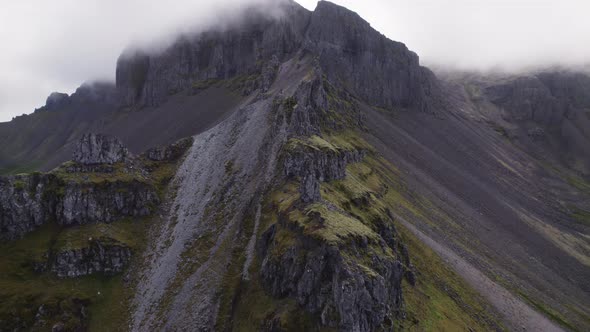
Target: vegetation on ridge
x,y
33,298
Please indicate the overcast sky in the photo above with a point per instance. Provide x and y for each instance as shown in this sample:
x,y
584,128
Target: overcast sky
x,y
57,45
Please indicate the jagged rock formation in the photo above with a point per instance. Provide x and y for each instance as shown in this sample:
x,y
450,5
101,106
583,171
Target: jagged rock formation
x,y
349,50
56,100
381,72
29,201
22,209
547,98
243,50
104,258
314,164
99,149
323,280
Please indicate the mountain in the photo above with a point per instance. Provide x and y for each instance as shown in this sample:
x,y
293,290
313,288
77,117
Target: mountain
x,y
298,172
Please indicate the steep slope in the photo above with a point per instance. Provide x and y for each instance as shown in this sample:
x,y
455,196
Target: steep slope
x,y
518,219
323,158
286,217
46,138
545,112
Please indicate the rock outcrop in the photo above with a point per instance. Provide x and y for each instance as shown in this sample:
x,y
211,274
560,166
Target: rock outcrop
x,y
98,257
327,282
99,149
243,49
26,203
56,100
105,202
314,164
381,72
552,109
29,201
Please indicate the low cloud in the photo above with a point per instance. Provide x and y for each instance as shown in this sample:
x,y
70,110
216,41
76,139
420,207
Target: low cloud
x,y
56,45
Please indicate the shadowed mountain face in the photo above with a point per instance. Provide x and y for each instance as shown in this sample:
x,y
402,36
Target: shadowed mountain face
x,y
319,150
163,86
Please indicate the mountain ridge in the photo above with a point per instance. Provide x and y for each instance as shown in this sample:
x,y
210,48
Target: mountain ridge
x,y
313,136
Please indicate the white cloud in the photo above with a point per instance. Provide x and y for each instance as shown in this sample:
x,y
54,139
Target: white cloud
x,y
56,45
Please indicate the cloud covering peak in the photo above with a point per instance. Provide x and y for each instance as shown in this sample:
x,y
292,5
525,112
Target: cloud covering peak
x,y
56,45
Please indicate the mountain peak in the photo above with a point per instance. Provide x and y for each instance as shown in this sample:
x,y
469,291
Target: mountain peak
x,y
378,71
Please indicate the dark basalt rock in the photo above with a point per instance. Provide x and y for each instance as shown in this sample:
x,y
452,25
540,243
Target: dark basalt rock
x,y
379,71
324,283
552,109
310,101
29,201
546,98
24,204
325,165
99,149
108,259
313,166
105,202
243,49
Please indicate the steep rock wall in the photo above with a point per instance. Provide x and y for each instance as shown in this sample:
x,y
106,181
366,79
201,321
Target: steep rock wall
x,y
29,201
352,54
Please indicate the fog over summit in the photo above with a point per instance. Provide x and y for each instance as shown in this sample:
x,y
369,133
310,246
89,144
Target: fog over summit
x,y
55,46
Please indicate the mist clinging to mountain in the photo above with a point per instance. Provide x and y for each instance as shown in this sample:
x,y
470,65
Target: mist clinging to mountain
x,y
62,43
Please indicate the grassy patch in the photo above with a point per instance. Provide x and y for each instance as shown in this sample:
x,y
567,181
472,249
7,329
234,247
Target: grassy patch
x,y
121,172
23,291
19,169
331,225
547,311
440,300
578,183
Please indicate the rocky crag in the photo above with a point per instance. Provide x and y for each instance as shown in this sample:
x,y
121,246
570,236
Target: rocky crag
x,y
349,51
68,196
83,219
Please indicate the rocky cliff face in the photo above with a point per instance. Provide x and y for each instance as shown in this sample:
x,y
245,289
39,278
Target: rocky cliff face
x,y
169,153
313,164
327,282
551,110
29,201
105,258
73,194
379,71
25,204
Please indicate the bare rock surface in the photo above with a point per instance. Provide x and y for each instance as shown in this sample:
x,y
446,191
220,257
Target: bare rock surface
x,y
29,201
99,149
105,258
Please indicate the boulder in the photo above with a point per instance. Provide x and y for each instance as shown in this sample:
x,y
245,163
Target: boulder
x,y
98,257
